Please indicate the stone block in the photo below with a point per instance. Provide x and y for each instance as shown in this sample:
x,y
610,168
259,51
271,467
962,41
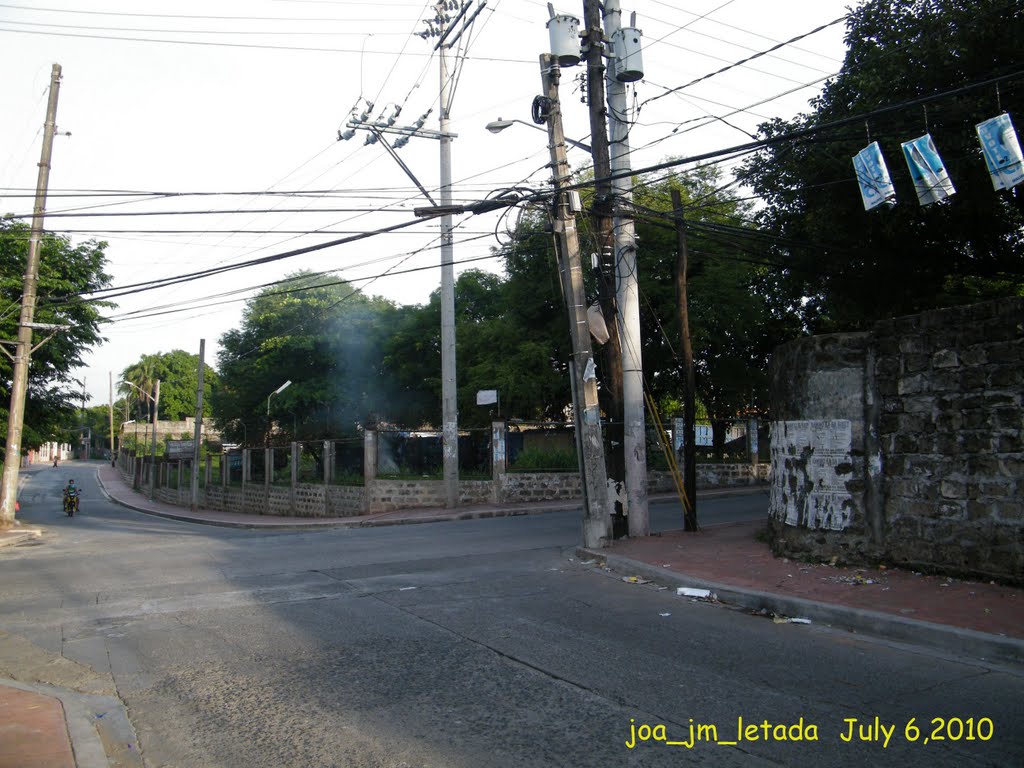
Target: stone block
x,y
913,384
952,489
945,358
1011,467
1004,352
915,363
919,404
1009,442
1006,377
1009,510
974,355
978,510
999,488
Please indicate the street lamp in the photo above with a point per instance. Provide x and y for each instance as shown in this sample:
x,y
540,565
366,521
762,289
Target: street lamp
x,y
277,391
499,125
155,399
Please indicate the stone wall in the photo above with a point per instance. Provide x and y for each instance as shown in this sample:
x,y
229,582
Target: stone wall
x,y
935,456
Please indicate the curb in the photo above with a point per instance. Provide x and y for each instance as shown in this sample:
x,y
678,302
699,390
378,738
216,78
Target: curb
x,y
85,741
954,640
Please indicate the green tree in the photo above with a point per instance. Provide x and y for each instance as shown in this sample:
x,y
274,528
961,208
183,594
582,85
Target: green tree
x,y
323,336
66,272
846,267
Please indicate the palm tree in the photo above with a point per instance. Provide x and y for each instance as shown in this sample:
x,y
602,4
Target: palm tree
x,y
143,375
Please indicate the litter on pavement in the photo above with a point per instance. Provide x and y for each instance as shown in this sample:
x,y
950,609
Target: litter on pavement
x,y
699,594
635,580
788,620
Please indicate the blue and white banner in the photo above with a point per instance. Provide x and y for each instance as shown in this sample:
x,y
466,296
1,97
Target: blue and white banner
x,y
873,177
927,170
1002,152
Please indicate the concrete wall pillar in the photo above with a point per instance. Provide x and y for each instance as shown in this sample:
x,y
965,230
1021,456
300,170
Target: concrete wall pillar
x,y
295,473
370,438
499,460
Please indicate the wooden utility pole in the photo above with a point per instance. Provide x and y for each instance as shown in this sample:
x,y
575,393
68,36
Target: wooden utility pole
x,y
604,236
587,412
690,392
23,354
197,439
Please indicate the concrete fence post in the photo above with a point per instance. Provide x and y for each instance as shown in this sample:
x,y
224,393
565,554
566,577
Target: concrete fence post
x,y
752,447
498,461
327,477
245,476
370,439
295,473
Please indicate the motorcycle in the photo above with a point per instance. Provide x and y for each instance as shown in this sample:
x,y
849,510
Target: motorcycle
x,y
71,503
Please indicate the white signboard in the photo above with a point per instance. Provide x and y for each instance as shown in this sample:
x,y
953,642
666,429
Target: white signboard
x,y
486,396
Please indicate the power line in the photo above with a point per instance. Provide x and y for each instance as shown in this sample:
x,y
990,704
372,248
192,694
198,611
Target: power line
x,y
256,46
741,62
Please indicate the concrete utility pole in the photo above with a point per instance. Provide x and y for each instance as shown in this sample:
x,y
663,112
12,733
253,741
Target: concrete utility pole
x,y
587,413
196,441
19,386
690,393
110,375
152,468
611,352
628,295
449,391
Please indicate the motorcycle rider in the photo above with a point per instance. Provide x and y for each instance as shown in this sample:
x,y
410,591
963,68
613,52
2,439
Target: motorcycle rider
x,y
71,494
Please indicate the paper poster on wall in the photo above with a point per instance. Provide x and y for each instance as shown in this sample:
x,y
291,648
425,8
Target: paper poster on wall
x,y
1002,153
927,170
873,177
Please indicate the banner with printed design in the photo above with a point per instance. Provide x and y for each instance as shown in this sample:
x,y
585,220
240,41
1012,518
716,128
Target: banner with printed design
x,y
873,177
927,170
1002,153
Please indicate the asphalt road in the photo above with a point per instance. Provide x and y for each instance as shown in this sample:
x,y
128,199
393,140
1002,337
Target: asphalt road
x,y
471,644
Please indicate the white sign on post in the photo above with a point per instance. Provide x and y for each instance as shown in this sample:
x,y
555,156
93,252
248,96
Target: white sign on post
x,y
486,397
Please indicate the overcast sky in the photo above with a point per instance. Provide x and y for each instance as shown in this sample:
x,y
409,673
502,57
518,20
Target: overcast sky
x,y
226,96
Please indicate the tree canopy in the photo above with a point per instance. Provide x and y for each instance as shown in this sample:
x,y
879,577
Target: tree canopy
x,y
323,336
65,271
846,267
178,373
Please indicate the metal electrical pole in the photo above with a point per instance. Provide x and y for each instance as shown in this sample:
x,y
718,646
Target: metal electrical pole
x,y
690,393
196,441
19,386
611,352
628,294
449,391
587,413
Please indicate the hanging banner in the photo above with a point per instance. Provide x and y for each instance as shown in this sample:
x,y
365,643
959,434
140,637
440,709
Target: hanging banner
x,y
926,169
1002,152
873,177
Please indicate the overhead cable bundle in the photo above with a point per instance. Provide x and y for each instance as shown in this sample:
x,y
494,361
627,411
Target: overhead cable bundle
x,y
873,177
927,170
1002,153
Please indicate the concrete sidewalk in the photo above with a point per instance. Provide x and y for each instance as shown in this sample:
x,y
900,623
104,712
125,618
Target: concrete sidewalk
x,y
972,619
